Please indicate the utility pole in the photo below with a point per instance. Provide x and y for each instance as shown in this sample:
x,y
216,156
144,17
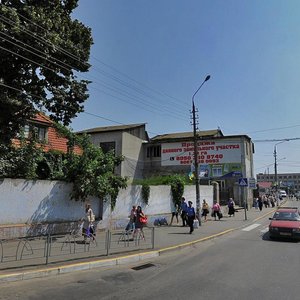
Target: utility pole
x,y
196,164
275,161
275,170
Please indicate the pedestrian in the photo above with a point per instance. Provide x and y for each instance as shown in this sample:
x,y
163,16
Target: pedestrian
x,y
183,207
132,219
191,215
141,220
216,210
175,212
205,209
88,229
255,203
260,203
231,208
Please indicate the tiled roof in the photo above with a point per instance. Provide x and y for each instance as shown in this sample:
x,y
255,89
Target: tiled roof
x,y
112,128
42,118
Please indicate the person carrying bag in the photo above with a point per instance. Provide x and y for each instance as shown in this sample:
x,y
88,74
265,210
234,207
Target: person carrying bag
x,y
216,211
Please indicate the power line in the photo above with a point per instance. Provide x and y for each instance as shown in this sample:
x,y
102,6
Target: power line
x,y
114,89
99,70
276,140
272,129
41,56
142,107
34,35
39,64
103,63
62,105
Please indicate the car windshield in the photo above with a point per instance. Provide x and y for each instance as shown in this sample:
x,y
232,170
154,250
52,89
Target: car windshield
x,y
288,216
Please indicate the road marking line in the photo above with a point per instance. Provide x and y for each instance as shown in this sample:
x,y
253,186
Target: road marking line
x,y
251,227
265,230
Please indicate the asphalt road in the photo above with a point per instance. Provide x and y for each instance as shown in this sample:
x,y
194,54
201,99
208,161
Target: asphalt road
x,y
243,265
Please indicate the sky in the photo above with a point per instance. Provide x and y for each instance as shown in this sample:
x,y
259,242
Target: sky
x,y
150,56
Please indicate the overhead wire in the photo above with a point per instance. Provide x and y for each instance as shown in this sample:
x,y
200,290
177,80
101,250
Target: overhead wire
x,y
71,55
42,65
37,63
105,64
132,79
84,112
64,51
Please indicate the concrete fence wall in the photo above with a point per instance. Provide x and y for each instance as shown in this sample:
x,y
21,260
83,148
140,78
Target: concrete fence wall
x,y
43,201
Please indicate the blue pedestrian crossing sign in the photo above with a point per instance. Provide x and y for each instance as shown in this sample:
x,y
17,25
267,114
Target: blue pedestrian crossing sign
x,y
243,182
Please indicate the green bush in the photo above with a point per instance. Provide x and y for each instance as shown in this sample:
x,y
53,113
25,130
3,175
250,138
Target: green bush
x,y
145,192
177,189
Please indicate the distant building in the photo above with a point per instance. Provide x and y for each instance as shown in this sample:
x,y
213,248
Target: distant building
x,y
289,182
222,159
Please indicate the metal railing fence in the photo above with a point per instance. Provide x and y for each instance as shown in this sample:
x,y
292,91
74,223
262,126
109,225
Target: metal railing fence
x,y
49,248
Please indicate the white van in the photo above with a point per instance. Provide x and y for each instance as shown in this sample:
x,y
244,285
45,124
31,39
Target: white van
x,y
282,193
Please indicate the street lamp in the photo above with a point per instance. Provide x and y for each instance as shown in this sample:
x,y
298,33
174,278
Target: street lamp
x,y
196,152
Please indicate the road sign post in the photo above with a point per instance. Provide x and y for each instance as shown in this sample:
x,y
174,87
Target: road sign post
x,y
243,182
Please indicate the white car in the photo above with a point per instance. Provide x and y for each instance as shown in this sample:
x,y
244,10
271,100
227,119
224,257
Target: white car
x,y
282,193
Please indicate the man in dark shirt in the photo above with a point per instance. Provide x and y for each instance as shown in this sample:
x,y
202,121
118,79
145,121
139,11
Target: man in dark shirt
x,y
183,207
191,216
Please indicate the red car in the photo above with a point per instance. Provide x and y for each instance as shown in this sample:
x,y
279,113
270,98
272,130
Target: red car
x,y
285,223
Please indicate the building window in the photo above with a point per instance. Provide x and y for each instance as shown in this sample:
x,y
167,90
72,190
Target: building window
x,y
154,151
217,172
108,146
39,131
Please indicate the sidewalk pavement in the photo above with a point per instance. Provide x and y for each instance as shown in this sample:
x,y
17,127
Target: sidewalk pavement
x,y
167,238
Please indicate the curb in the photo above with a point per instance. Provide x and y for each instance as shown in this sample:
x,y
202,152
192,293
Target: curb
x,y
78,267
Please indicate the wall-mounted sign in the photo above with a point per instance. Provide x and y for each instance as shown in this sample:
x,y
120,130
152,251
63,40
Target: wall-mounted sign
x,y
209,153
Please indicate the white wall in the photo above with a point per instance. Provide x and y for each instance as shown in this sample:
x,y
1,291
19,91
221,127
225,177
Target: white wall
x,y
27,201
30,201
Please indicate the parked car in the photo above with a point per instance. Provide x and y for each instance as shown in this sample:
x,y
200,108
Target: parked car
x,y
285,223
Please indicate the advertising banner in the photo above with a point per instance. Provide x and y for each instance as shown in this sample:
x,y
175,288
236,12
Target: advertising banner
x,y
215,158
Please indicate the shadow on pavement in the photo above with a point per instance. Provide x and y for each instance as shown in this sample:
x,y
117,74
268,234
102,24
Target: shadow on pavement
x,y
266,237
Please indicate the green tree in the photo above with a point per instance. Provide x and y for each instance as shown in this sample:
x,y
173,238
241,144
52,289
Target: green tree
x,y
93,172
41,50
21,162
177,188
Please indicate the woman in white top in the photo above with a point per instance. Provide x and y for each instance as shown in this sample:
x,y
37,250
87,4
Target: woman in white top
x,y
87,228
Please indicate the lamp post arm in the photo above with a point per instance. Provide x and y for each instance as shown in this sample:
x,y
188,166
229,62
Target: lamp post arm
x,y
197,181
207,78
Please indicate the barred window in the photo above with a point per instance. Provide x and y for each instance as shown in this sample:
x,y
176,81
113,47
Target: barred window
x,y
154,151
